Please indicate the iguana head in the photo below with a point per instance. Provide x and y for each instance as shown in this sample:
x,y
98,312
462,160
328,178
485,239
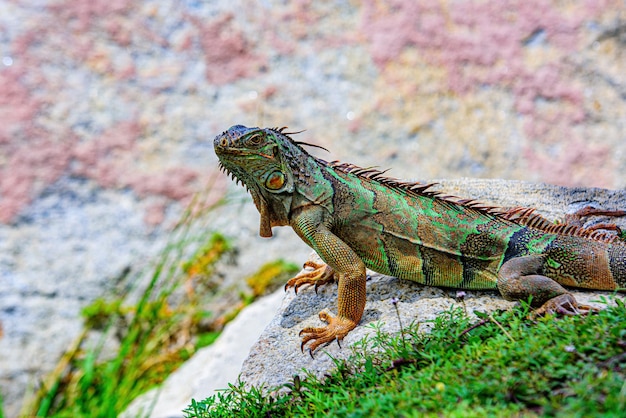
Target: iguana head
x,y
273,167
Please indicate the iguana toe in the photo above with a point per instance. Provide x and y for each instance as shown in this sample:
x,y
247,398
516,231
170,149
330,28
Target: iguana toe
x,y
336,329
565,305
320,275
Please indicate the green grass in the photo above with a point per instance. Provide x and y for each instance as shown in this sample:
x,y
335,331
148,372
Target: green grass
x,y
157,326
153,331
504,365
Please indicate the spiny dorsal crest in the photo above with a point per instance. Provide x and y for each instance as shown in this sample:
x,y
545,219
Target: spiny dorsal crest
x,y
519,215
528,217
412,188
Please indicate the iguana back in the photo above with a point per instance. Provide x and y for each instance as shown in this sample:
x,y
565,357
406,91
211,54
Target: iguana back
x,y
403,230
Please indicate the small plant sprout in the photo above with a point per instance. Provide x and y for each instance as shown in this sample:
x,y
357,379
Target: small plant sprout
x,y
460,297
394,302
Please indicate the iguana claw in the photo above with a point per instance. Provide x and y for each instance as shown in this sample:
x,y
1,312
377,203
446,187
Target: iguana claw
x,y
336,329
320,275
564,305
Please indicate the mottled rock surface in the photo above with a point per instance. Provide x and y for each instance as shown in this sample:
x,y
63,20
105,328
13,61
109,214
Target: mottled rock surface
x,y
276,357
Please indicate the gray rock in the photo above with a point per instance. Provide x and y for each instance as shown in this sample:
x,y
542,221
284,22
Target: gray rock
x,y
276,358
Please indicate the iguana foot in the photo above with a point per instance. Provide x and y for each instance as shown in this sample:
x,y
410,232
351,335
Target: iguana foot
x,y
564,305
320,275
336,329
519,278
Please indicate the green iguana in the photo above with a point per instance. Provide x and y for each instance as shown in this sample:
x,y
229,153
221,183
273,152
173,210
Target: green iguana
x,y
357,218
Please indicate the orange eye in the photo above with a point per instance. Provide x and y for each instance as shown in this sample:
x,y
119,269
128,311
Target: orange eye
x,y
275,181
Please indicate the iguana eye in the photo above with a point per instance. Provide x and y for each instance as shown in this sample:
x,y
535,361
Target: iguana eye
x,y
255,139
275,180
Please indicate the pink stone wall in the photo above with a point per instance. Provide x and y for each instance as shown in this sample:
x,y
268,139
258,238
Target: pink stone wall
x,y
89,87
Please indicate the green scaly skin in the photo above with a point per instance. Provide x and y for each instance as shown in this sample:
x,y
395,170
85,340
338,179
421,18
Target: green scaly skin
x,y
357,218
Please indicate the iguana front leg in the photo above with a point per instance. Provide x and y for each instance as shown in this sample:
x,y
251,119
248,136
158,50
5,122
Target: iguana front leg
x,y
347,268
520,277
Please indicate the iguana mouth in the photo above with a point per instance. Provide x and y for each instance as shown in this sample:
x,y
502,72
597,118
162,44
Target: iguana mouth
x,y
235,151
232,175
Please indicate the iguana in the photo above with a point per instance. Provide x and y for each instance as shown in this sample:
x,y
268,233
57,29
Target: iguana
x,y
357,218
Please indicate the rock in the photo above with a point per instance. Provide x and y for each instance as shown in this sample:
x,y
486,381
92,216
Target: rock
x,y
276,358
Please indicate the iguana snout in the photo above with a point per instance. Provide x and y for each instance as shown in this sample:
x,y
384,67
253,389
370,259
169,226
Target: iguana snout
x,y
253,157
